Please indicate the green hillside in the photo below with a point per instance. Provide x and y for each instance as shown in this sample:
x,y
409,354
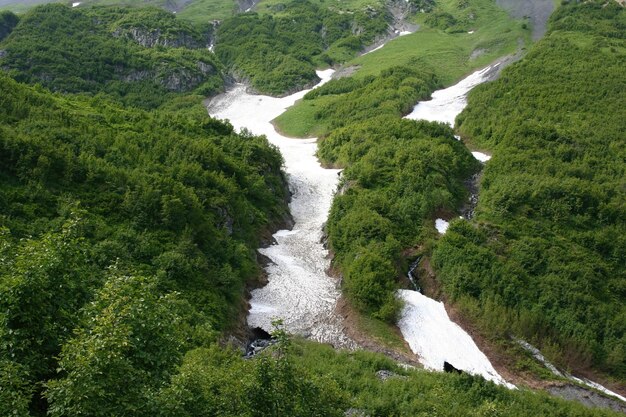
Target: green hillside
x,y
142,57
546,249
444,49
100,206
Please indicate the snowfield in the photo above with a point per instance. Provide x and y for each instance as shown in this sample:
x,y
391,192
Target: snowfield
x,y
298,291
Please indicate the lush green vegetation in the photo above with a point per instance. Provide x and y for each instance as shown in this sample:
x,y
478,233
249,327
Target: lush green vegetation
x,y
7,22
399,174
196,11
279,53
422,393
142,57
349,100
126,240
545,256
448,54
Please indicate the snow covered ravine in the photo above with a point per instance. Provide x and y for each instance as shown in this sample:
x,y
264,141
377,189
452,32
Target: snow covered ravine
x,y
298,291
424,322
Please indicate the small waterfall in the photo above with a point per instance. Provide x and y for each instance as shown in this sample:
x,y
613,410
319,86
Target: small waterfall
x,y
411,274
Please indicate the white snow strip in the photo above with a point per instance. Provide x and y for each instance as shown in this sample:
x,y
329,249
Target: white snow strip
x,y
441,225
482,157
432,336
446,104
375,49
537,355
298,291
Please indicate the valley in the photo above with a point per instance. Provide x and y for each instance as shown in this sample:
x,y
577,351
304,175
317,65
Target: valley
x,y
395,165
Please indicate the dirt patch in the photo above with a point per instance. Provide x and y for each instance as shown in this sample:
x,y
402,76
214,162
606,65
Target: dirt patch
x,y
351,319
536,11
345,71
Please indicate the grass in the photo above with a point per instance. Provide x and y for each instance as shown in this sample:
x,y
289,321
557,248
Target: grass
x,y
267,6
197,11
202,11
449,55
20,6
382,333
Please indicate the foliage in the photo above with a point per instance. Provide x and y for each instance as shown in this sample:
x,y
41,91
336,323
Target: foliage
x,y
7,22
422,393
279,53
411,58
139,56
174,199
547,248
398,174
344,101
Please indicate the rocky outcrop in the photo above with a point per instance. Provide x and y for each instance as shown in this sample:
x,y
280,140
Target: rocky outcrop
x,y
173,79
156,37
587,397
384,375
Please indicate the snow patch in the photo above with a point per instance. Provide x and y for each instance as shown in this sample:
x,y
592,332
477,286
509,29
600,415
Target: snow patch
x,y
446,104
298,290
432,336
76,4
482,157
441,225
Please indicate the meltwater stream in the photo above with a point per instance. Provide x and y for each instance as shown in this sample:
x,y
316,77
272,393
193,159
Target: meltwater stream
x,y
299,291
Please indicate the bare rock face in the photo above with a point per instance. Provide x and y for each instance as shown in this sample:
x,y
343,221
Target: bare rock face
x,y
384,375
587,397
152,38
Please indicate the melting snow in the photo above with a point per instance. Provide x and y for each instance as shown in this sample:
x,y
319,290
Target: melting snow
x,y
298,291
446,104
482,157
441,225
432,336
425,324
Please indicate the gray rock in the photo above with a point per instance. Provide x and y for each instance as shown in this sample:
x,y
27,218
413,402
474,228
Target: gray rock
x,y
587,397
384,375
355,412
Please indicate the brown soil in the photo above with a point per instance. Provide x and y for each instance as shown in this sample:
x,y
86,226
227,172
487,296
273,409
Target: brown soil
x,y
351,319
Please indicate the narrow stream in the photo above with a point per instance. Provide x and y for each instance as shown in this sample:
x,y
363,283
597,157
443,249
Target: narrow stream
x,y
299,291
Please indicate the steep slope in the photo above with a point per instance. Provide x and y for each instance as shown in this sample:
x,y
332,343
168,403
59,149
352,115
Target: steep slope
x,y
140,56
546,249
158,212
